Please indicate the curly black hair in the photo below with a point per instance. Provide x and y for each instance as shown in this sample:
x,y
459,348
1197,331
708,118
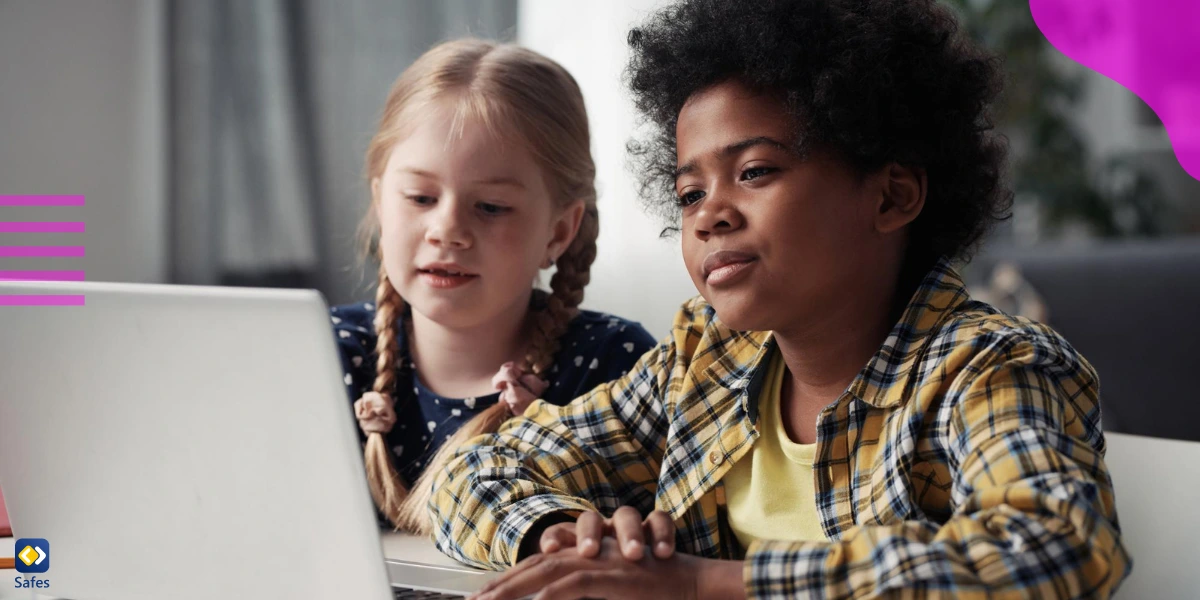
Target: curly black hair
x,y
871,81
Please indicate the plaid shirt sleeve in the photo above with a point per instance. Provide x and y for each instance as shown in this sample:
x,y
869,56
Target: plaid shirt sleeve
x,y
601,451
1034,512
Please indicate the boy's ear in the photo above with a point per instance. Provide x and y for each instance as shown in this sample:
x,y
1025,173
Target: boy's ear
x,y
903,197
566,228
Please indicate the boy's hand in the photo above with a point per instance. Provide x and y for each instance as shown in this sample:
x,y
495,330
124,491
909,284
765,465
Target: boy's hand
x,y
565,575
632,534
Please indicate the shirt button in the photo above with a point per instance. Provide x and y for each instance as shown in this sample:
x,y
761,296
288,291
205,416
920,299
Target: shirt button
x,y
715,457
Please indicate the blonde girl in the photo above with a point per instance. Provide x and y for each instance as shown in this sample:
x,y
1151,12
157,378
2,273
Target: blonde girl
x,y
481,176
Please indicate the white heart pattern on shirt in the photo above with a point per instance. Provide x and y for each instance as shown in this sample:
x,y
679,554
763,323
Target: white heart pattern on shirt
x,y
348,379
336,320
629,347
343,334
456,412
579,361
432,425
470,402
595,363
399,450
357,360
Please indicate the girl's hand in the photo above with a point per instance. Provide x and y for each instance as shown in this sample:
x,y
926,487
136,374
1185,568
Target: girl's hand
x,y
565,575
375,413
631,534
517,388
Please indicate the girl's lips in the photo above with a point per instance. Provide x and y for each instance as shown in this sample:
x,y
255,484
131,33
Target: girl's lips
x,y
446,268
442,279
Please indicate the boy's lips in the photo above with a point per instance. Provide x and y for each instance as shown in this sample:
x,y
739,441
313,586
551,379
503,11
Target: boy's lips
x,y
724,263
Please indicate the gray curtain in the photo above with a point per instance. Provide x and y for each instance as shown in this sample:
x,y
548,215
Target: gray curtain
x,y
271,106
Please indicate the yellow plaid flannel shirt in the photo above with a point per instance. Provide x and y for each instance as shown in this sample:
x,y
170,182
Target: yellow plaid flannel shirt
x,y
966,460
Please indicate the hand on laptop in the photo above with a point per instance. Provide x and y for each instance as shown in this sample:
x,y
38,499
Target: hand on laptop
x,y
631,533
598,557
566,574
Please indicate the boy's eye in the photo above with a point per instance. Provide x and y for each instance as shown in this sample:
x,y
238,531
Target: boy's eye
x,y
690,198
493,209
755,173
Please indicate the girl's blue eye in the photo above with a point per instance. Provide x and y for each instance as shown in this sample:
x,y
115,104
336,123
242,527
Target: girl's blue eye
x,y
690,198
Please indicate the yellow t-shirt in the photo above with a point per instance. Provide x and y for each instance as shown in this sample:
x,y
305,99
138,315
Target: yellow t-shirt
x,y
770,492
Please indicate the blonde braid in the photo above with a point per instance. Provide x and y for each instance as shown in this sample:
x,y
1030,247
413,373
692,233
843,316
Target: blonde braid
x,y
571,277
387,488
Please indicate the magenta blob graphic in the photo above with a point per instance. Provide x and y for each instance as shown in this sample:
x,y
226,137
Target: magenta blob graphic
x,y
1151,47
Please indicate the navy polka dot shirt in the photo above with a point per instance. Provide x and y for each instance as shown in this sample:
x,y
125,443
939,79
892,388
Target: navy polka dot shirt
x,y
597,348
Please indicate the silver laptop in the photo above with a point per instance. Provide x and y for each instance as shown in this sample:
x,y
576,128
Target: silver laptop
x,y
192,443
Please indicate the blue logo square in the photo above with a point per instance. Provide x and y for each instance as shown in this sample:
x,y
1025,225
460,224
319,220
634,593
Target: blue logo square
x,y
32,555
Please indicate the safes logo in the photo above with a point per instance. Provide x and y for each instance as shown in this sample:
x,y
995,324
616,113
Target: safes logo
x,y
33,556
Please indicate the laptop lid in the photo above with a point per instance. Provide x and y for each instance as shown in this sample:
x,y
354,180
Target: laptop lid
x,y
184,442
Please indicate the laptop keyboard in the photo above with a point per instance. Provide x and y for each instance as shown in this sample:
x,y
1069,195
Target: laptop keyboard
x,y
401,593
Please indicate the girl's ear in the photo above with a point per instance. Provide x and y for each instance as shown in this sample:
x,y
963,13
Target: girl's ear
x,y
903,197
565,227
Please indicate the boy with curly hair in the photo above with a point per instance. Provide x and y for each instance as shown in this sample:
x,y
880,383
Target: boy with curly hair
x,y
834,416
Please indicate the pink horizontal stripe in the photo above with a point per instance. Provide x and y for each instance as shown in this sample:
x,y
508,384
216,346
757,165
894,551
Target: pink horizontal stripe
x,y
25,251
40,300
42,276
41,200
42,227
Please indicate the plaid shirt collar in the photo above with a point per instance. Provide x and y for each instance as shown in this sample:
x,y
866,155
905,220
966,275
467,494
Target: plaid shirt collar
x,y
938,295
735,364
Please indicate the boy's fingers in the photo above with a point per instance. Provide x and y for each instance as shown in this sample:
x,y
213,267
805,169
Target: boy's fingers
x,y
661,531
589,529
627,525
557,537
